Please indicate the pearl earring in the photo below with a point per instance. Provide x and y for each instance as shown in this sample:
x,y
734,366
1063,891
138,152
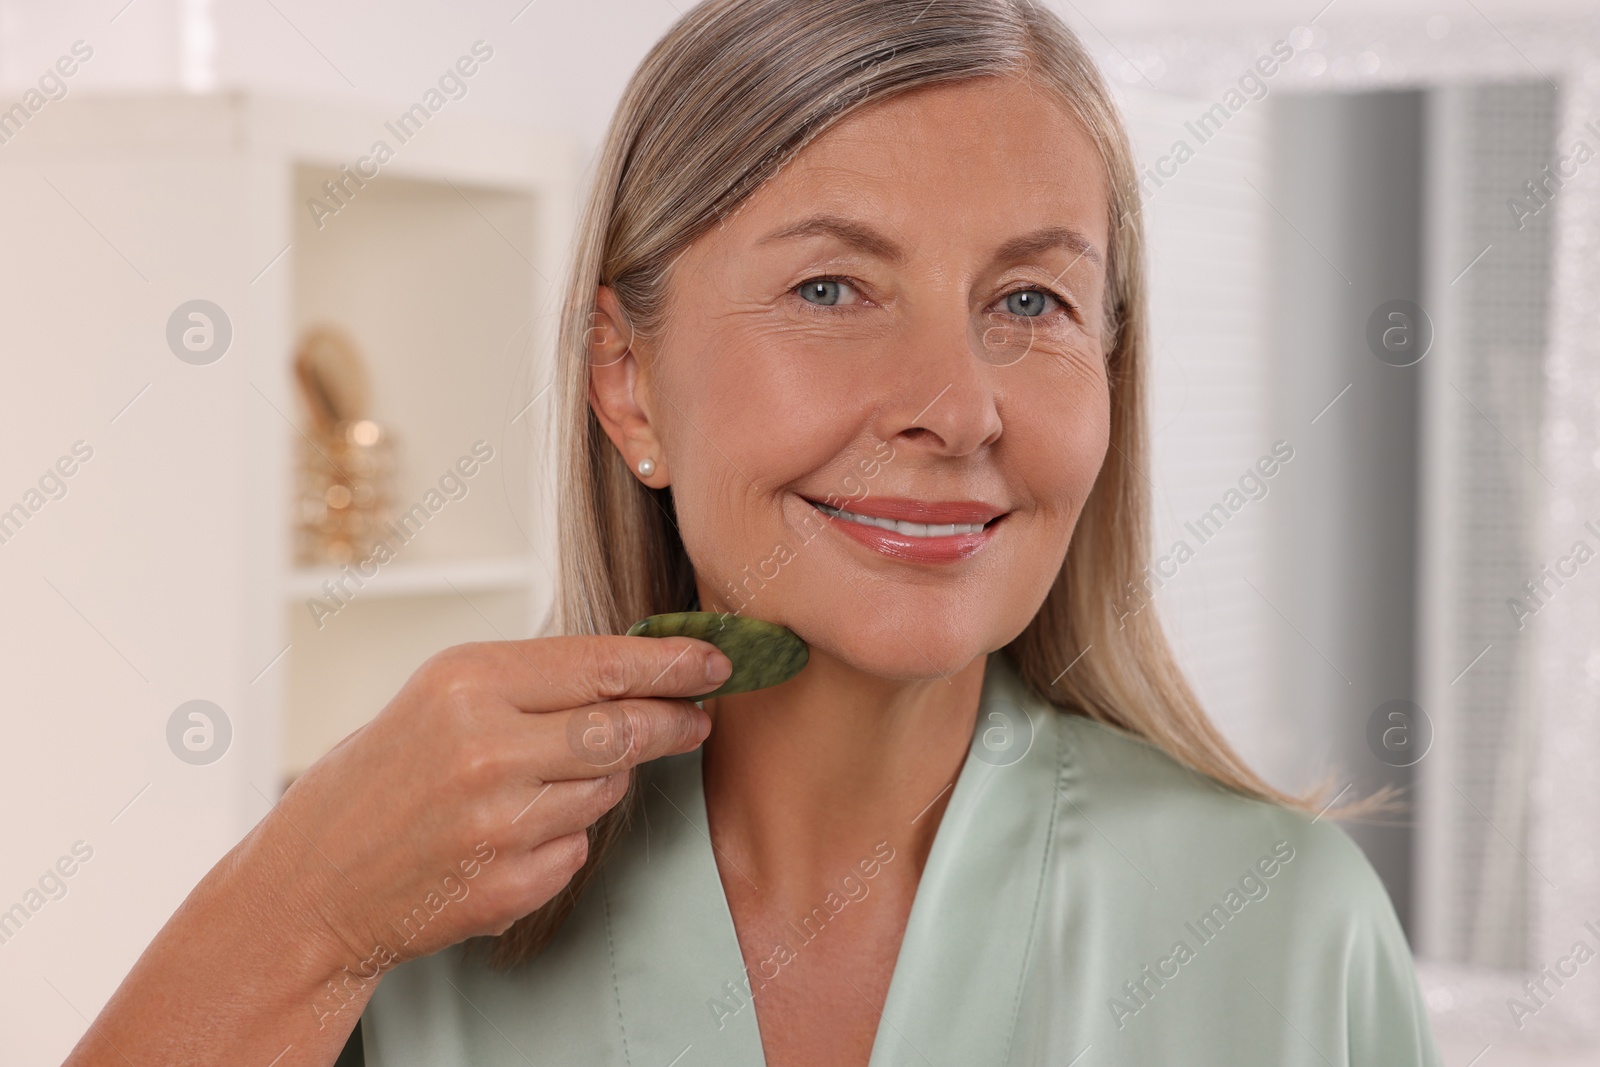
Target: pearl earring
x,y
647,466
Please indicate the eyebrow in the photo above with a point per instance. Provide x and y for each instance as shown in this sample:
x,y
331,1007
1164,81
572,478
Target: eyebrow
x,y
858,236
866,239
1044,240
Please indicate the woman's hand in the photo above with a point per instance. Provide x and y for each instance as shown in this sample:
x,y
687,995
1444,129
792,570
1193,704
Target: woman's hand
x,y
463,805
460,808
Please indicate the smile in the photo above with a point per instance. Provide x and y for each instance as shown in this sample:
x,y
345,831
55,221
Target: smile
x,y
959,530
910,529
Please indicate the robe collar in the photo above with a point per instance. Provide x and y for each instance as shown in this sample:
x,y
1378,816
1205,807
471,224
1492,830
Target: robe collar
x,y
679,977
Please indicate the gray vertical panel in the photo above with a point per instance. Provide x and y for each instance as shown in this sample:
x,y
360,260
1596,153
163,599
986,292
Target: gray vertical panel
x,y
1346,189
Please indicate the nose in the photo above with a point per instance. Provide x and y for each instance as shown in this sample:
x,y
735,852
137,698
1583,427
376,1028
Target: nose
x,y
944,397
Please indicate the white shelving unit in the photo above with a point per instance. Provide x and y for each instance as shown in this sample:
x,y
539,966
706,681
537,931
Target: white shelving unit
x,y
165,572
437,272
441,265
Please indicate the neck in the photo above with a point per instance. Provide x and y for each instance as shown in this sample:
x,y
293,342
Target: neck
x,y
803,780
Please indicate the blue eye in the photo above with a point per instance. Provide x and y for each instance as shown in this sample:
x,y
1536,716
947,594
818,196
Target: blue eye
x,y
1029,303
824,291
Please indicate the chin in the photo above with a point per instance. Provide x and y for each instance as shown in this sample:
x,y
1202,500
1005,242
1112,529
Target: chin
x,y
886,647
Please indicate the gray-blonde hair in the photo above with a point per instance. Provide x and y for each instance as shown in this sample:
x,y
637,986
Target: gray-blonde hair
x,y
725,99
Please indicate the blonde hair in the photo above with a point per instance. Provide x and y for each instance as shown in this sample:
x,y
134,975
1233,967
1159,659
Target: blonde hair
x,y
730,94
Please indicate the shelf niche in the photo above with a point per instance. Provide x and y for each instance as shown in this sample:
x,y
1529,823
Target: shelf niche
x,y
435,282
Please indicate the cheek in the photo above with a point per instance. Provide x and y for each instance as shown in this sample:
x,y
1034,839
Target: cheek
x,y
751,417
1061,418
712,502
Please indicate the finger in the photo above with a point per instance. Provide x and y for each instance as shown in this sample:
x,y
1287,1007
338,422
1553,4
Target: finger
x,y
555,809
555,673
532,878
601,739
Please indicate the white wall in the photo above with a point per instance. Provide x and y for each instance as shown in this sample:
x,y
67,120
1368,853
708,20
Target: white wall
x,y
557,66
1206,229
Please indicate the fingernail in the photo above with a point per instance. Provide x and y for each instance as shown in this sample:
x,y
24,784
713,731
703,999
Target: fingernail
x,y
718,667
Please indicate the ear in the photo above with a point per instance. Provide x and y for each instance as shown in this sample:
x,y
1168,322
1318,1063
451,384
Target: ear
x,y
619,389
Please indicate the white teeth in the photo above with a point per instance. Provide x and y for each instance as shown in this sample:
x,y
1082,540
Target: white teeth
x,y
910,529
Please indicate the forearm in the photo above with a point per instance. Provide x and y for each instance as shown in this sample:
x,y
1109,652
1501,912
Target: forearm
x,y
241,973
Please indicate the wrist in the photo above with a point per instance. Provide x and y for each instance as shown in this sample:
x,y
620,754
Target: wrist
x,y
241,972
291,904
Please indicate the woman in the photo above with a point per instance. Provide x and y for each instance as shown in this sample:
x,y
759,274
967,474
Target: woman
x,y
854,343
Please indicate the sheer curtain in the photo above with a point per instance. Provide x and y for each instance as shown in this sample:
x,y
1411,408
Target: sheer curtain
x,y
1485,405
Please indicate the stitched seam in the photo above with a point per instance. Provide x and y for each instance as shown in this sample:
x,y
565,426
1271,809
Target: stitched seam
x,y
1038,894
616,988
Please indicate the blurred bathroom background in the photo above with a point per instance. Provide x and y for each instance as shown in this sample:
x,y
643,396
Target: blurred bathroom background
x,y
1374,241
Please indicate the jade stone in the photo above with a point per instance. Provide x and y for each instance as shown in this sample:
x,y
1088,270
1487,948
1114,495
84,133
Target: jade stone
x,y
763,653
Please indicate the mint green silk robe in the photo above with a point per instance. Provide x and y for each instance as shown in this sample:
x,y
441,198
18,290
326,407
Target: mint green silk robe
x,y
1086,902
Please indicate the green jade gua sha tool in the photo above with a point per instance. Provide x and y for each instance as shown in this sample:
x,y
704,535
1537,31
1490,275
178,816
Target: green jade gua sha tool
x,y
763,653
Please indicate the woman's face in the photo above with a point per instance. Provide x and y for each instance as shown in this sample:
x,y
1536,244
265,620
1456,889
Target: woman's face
x,y
904,323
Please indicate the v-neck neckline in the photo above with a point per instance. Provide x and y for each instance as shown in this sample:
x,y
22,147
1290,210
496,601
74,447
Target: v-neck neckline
x,y
956,982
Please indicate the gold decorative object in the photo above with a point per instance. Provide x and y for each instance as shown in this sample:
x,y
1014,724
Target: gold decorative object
x,y
346,460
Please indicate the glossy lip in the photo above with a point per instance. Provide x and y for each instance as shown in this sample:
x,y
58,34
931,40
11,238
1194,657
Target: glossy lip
x,y
919,549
